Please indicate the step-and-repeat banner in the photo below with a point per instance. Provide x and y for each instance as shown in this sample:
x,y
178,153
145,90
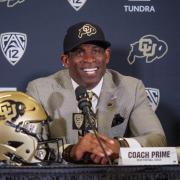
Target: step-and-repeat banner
x,y
145,37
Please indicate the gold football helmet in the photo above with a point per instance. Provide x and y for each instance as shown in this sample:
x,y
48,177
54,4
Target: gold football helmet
x,y
24,131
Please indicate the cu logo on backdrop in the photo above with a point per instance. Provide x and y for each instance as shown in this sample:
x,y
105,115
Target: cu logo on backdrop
x,y
13,46
149,48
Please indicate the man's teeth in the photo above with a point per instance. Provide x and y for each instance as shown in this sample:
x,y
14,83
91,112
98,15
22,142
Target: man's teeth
x,y
90,70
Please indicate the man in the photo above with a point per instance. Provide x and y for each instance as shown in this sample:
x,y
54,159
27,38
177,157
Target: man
x,y
123,114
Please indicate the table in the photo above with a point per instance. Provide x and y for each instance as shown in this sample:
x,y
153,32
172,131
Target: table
x,y
90,172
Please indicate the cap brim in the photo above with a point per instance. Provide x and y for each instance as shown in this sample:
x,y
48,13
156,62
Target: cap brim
x,y
103,44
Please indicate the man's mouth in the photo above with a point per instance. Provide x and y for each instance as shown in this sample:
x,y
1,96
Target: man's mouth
x,y
90,70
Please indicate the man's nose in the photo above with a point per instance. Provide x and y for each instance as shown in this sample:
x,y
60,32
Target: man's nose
x,y
88,57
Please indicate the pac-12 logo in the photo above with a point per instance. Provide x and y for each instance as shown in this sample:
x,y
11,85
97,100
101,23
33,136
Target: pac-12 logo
x,y
13,46
153,95
77,4
149,47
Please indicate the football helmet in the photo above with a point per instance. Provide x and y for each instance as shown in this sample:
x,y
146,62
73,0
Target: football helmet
x,y
24,131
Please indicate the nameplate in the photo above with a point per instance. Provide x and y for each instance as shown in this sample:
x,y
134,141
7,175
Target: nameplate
x,y
148,156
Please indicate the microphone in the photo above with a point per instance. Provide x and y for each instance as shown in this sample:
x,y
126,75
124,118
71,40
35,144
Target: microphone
x,y
82,97
85,105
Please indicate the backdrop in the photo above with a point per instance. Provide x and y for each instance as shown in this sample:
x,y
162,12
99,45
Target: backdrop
x,y
144,36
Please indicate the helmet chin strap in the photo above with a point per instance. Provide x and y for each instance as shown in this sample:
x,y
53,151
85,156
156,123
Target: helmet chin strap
x,y
17,160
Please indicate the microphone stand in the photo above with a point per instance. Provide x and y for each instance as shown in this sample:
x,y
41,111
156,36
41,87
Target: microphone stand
x,y
85,106
91,118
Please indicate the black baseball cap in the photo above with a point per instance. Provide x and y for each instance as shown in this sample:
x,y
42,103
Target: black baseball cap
x,y
84,32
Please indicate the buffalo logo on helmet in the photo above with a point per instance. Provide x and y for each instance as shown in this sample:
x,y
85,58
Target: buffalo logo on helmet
x,y
11,110
13,46
87,30
149,48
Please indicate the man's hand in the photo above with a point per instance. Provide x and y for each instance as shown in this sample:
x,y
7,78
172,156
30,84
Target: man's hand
x,y
90,144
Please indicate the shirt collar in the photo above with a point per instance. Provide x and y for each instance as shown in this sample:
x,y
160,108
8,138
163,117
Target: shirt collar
x,y
96,89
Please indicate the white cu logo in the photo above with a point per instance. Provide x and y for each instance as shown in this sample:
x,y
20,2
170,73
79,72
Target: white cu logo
x,y
149,47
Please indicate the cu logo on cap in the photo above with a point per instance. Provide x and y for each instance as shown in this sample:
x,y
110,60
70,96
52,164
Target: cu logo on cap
x,y
88,30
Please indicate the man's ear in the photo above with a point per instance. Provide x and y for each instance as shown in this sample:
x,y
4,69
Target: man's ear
x,y
107,55
65,60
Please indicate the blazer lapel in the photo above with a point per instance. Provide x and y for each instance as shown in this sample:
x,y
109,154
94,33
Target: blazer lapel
x,y
107,106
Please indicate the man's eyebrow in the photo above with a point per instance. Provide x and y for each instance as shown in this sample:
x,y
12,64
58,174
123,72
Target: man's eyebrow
x,y
76,48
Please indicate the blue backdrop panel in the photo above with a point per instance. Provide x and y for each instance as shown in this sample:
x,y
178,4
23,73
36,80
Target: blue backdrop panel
x,y
144,36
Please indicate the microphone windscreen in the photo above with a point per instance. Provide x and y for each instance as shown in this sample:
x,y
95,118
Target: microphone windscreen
x,y
80,92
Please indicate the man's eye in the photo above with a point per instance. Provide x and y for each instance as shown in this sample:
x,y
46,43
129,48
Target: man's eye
x,y
97,51
79,52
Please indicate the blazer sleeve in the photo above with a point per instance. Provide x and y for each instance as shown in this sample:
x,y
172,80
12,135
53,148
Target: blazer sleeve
x,y
32,90
143,123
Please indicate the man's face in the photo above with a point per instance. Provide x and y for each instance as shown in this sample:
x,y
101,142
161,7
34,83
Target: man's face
x,y
87,64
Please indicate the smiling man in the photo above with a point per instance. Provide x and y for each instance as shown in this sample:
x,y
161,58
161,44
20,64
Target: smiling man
x,y
120,105
87,64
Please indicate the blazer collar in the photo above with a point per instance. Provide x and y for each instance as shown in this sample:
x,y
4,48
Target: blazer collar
x,y
63,78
